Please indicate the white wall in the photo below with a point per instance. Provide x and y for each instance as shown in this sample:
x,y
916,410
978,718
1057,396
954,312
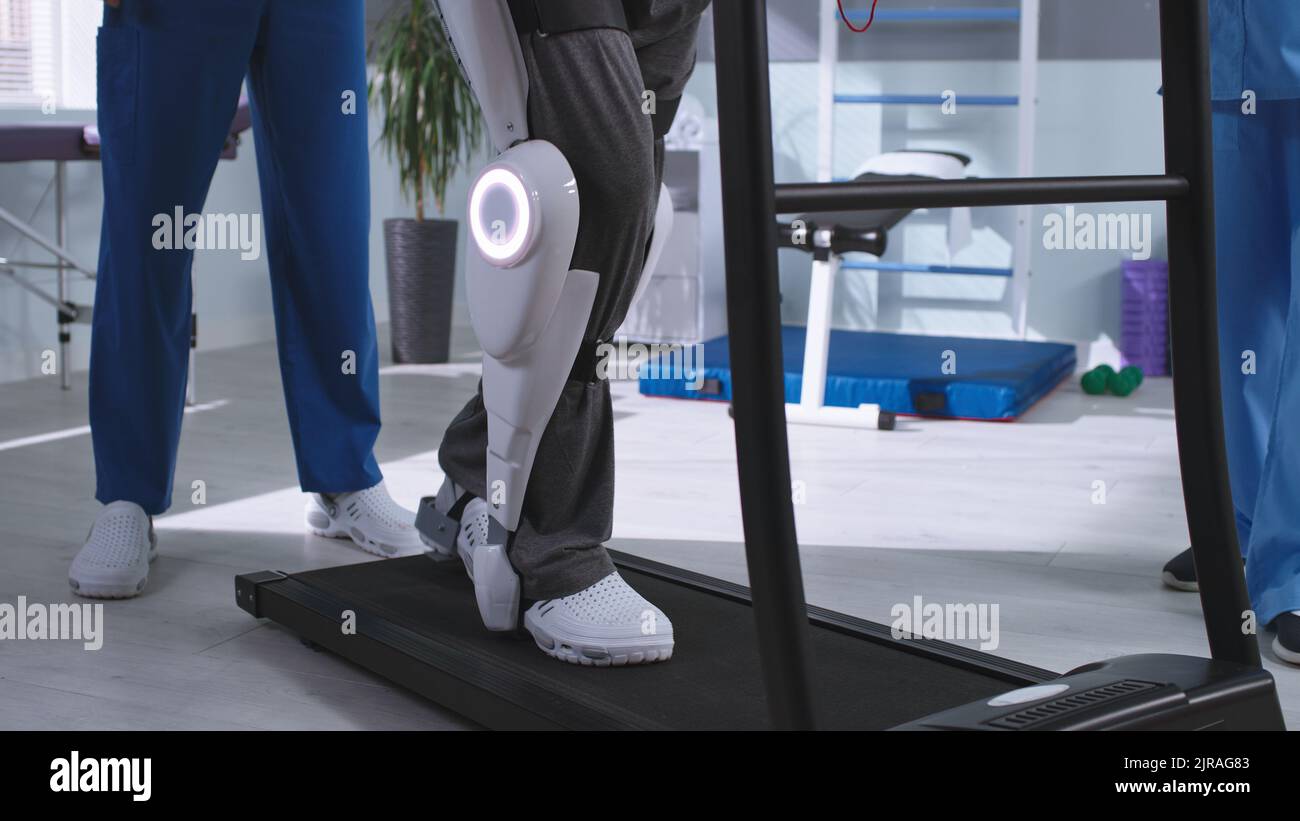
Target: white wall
x,y
1095,117
233,298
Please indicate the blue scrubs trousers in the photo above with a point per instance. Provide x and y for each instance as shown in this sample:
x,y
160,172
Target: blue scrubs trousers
x,y
170,73
1257,208
1255,45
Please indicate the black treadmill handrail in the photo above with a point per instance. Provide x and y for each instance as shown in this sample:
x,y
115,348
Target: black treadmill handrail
x,y
1194,331
751,201
976,192
758,391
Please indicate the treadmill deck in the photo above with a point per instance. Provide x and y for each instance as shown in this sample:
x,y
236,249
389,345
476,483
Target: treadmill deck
x,y
417,624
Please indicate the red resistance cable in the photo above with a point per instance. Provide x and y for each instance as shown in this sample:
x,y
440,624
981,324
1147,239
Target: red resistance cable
x,y
871,19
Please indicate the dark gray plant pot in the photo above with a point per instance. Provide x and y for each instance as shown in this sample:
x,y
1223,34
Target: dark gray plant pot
x,y
421,258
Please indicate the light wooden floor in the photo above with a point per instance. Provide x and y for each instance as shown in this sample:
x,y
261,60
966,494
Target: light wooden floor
x,y
951,511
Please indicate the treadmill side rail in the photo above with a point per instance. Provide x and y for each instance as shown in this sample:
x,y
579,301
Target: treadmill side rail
x,y
247,587
1144,692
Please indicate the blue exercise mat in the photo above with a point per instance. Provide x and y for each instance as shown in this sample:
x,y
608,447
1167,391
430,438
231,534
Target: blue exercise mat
x,y
994,378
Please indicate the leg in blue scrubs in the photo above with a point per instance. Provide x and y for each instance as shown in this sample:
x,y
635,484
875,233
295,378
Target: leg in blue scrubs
x,y
169,80
1257,201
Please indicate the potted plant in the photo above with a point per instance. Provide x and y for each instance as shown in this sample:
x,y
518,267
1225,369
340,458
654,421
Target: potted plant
x,y
431,125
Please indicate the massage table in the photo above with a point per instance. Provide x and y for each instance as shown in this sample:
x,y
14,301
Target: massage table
x,y
61,143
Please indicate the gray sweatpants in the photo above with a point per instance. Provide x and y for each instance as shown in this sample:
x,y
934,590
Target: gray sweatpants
x,y
585,95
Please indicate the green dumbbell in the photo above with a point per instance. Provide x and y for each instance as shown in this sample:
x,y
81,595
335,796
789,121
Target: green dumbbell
x,y
1121,384
1134,373
1094,382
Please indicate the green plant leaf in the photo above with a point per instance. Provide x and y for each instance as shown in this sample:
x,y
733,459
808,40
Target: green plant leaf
x,y
431,120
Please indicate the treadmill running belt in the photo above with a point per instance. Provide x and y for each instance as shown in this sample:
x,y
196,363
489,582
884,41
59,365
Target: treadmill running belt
x,y
713,681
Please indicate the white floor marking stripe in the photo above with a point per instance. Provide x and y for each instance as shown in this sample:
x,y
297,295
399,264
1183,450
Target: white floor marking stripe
x,y
444,369
68,433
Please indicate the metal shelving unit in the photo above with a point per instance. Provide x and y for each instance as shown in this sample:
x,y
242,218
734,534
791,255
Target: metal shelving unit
x,y
1027,16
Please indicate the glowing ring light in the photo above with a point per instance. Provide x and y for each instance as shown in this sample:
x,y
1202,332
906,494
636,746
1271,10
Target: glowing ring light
x,y
508,251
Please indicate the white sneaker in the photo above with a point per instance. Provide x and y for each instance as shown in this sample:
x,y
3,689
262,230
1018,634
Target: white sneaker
x,y
114,562
496,585
606,624
369,517
473,532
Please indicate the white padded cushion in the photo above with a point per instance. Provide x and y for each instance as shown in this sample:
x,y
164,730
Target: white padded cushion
x,y
919,163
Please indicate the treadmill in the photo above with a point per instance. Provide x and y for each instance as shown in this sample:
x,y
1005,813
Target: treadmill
x,y
761,657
